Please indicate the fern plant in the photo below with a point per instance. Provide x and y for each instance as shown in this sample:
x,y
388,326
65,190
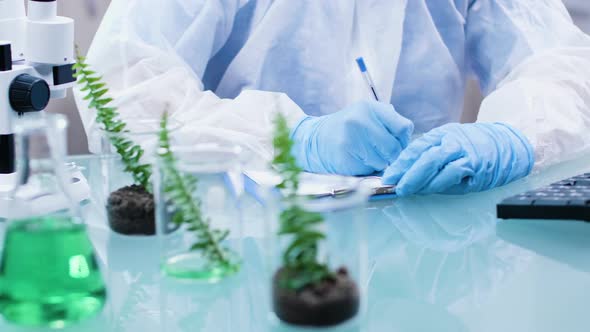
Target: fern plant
x,y
180,188
300,258
108,117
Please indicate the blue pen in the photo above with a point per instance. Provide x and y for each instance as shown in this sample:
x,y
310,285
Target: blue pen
x,y
365,72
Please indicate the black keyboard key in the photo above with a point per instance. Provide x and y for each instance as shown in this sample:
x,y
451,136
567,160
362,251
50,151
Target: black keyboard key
x,y
558,195
553,190
575,194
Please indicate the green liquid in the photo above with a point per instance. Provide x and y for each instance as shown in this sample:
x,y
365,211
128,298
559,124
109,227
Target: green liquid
x,y
48,274
192,265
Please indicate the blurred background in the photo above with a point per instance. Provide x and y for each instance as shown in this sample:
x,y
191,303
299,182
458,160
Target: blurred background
x,y
88,14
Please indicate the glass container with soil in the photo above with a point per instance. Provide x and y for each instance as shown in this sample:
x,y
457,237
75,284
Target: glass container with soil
x,y
49,276
199,188
320,260
127,193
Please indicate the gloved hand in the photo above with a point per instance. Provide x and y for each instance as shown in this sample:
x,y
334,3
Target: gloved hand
x,y
359,140
457,159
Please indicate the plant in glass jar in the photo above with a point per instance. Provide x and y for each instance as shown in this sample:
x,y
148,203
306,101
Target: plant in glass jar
x,y
213,259
130,209
305,290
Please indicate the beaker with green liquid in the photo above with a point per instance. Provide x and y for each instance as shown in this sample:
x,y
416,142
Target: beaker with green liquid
x,y
49,275
198,211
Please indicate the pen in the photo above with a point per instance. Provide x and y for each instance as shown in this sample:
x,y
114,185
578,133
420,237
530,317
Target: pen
x,y
365,72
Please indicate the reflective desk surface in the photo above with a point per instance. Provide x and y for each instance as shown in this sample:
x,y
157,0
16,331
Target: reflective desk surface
x,y
439,263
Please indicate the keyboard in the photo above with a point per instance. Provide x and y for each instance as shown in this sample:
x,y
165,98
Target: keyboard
x,y
566,199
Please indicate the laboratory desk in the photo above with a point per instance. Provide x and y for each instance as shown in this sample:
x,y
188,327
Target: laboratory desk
x,y
437,263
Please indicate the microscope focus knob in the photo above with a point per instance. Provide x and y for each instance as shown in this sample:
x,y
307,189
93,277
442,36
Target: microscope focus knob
x,y
29,94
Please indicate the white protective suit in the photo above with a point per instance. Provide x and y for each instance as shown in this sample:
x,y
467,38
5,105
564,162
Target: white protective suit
x,y
225,67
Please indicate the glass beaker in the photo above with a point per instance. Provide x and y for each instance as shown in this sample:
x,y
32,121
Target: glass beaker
x,y
129,203
200,191
319,259
49,275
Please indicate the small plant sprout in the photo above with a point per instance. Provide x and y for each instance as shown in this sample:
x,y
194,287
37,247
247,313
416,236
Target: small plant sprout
x,y
300,258
179,188
108,116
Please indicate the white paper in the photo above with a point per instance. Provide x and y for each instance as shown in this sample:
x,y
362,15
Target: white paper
x,y
319,184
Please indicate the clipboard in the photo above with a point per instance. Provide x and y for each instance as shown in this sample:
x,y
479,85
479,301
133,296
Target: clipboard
x,y
317,186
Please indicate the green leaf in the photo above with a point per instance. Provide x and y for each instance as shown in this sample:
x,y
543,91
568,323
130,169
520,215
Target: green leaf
x,y
108,111
199,246
100,93
117,127
79,65
104,101
177,218
97,86
92,79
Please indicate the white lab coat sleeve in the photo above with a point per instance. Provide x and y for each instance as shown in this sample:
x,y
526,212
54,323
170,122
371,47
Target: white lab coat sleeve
x,y
153,54
534,64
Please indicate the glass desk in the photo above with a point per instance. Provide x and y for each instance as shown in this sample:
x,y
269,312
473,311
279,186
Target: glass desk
x,y
437,263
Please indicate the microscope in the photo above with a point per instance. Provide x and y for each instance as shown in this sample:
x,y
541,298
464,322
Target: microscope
x,y
36,59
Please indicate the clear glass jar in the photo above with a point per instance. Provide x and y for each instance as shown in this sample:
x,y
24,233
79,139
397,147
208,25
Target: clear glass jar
x,y
203,196
336,297
194,306
49,274
130,206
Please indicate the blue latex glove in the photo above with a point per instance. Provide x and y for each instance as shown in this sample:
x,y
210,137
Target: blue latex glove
x,y
457,159
359,140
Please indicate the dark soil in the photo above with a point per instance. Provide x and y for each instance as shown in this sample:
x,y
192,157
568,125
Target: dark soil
x,y
131,211
329,302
